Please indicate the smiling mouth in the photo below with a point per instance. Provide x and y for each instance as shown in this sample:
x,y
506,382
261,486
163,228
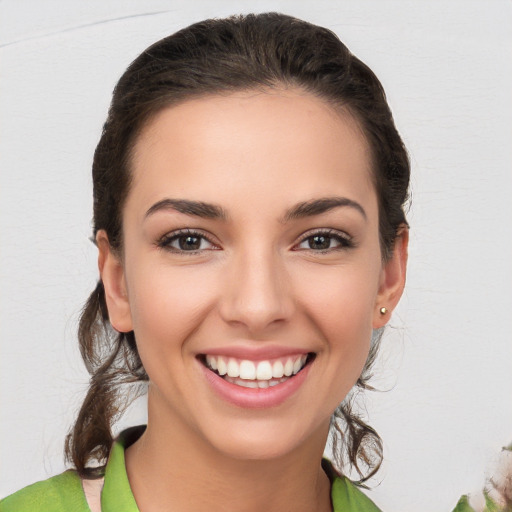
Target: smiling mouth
x,y
256,374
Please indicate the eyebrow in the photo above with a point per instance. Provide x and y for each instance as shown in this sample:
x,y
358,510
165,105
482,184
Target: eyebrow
x,y
321,205
212,211
188,207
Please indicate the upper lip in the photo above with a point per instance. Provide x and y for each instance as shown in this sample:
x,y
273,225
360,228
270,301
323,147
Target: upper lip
x,y
256,353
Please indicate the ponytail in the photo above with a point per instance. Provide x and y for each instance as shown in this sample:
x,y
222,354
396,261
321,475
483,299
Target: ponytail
x,y
112,360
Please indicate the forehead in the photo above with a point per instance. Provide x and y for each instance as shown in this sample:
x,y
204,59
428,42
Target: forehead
x,y
282,138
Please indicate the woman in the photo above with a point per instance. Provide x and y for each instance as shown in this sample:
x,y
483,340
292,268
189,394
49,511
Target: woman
x,y
248,210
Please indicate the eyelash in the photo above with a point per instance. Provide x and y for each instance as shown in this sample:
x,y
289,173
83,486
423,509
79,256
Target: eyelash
x,y
344,241
165,241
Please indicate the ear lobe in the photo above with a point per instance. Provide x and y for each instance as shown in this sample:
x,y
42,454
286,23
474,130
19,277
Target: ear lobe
x,y
113,278
392,280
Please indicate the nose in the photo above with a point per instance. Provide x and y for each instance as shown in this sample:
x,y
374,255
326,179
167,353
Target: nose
x,y
256,292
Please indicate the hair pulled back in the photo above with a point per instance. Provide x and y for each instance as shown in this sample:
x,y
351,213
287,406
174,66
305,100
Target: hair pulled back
x,y
220,56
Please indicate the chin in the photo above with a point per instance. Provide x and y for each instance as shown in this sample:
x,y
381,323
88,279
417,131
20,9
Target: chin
x,y
267,440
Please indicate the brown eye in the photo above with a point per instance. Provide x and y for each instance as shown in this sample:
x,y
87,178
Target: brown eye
x,y
324,241
319,242
186,241
189,243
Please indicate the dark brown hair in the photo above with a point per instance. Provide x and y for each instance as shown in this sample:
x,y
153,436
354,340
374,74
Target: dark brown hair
x,y
220,56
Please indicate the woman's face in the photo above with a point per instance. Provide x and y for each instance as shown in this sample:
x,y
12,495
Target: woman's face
x,y
251,247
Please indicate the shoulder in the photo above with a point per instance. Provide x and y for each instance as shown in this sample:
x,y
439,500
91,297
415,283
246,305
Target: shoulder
x,y
348,497
60,493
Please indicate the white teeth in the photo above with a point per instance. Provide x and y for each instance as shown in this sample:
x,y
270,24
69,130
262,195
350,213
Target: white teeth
x,y
247,383
221,366
211,362
277,370
233,368
264,371
255,384
247,370
254,374
288,368
297,365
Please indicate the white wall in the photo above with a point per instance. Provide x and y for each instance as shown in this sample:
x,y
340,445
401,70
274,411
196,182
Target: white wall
x,y
447,69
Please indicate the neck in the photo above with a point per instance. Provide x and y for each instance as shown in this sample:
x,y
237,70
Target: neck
x,y
171,465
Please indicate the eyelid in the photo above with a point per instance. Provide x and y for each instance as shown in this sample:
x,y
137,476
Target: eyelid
x,y
345,239
164,242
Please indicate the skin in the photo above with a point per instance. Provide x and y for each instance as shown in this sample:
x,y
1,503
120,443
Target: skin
x,y
259,281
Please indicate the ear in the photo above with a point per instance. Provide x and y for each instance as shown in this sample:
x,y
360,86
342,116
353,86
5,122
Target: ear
x,y
392,279
113,278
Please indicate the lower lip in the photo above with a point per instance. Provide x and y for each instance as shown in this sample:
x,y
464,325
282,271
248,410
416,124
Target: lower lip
x,y
255,398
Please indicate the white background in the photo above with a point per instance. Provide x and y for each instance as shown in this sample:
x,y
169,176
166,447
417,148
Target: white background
x,y
447,69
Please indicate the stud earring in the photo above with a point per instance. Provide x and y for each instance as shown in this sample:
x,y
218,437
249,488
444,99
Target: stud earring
x,y
383,311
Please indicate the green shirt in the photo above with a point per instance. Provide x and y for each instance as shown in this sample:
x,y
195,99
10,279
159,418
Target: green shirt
x,y
64,492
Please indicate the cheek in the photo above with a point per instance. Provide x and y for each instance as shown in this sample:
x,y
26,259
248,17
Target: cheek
x,y
168,303
340,304
345,295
